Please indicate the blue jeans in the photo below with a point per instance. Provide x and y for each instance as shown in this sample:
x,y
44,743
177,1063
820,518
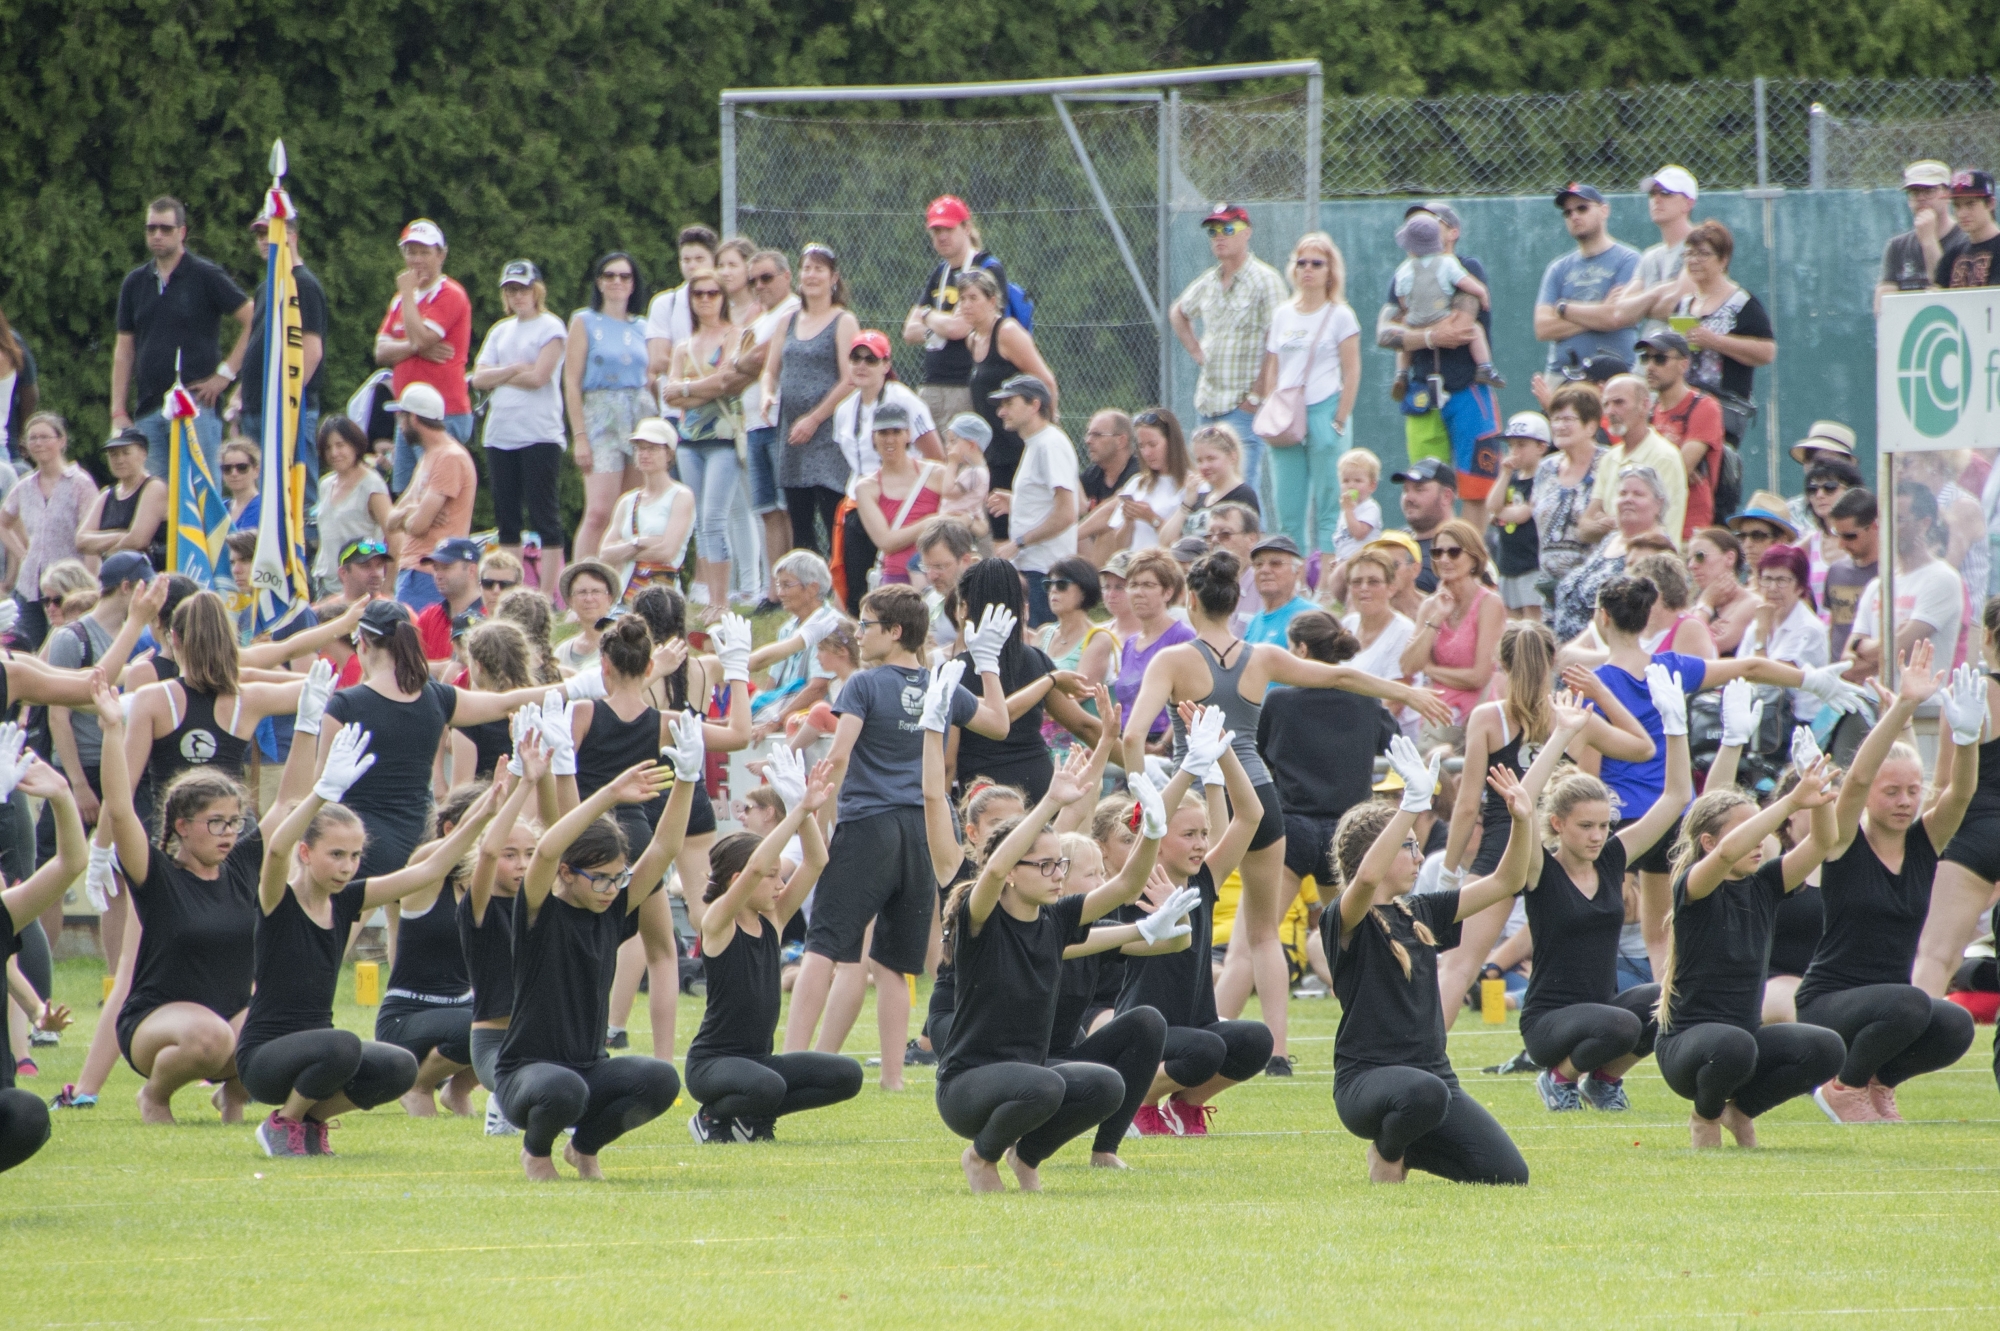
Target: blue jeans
x,y
1633,971
1309,470
458,427
156,427
710,470
1240,421
305,450
1038,598
417,589
762,446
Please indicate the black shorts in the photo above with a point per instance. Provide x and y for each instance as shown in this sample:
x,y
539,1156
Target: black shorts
x,y
529,476
1272,828
701,814
1657,859
1976,846
878,868
1309,847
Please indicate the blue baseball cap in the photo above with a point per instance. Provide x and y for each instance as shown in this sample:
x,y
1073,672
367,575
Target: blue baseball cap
x,y
1588,193
123,567
455,550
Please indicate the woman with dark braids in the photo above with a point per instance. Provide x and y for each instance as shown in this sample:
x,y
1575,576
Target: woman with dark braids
x,y
1392,1079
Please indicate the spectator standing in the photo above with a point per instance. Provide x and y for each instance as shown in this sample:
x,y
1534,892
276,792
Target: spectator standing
x,y
1688,419
1510,516
1911,258
1313,345
426,338
438,504
20,391
1977,262
669,316
524,435
132,514
454,565
607,389
1441,358
935,321
1457,639
1574,312
1731,335
39,519
1671,194
1930,597
700,386
354,500
876,386
313,326
1628,420
1430,499
650,524
811,371
1114,464
170,313
1001,349
1234,300
1715,567
1276,564
771,284
1565,481
1042,505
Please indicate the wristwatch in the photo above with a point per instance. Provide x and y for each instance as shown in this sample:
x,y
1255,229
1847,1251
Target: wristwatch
x,y
1562,309
1254,399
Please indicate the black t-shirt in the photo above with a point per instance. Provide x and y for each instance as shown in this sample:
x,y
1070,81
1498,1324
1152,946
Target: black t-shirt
x,y
185,318
298,967
563,963
1179,984
1076,994
1873,917
980,756
1722,948
1717,372
198,939
430,959
1007,975
1244,493
950,363
1903,258
744,994
1455,365
1320,746
944,988
1795,936
1576,938
312,319
1386,1019
489,955
1097,487
1520,547
1976,265
1427,578
393,797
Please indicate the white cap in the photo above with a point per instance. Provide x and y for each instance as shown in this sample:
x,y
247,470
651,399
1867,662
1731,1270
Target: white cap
x,y
1529,425
1927,174
420,400
1674,180
423,231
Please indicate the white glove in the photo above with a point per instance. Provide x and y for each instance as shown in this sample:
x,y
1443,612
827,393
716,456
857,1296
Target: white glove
x,y
524,722
557,733
1742,713
1159,771
346,763
1669,699
991,635
14,763
732,647
820,623
1205,743
1963,702
1152,809
1420,779
10,615
1805,749
312,697
690,748
1449,880
787,775
99,883
938,697
587,684
1170,920
1824,683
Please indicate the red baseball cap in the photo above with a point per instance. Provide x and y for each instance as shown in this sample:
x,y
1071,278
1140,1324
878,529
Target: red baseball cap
x,y
947,210
1227,212
875,341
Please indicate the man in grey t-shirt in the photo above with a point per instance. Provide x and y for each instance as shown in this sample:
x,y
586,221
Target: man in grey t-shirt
x,y
1910,259
74,734
1670,198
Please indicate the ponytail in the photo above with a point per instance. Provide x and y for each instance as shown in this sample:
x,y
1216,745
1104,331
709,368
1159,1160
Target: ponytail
x,y
406,654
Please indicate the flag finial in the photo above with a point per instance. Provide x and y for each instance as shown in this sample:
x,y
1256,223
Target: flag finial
x,y
277,159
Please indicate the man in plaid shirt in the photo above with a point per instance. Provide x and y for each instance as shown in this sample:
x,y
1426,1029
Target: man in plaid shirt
x,y
1234,301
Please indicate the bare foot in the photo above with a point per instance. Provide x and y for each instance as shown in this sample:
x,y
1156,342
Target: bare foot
x,y
420,1104
456,1098
1741,1126
981,1174
895,1085
1029,1177
1106,1160
1704,1133
539,1168
1385,1171
156,1111
586,1166
228,1103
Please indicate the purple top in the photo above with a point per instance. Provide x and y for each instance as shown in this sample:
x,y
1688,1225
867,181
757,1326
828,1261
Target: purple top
x,y
1132,671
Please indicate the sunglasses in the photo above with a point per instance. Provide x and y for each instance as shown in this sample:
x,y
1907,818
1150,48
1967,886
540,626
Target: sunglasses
x,y
863,358
1757,534
706,293
232,468
614,277
1577,210
1825,488
763,279
499,584
1225,228
1309,263
1847,536
365,550
1445,552
1658,357
162,227
1059,584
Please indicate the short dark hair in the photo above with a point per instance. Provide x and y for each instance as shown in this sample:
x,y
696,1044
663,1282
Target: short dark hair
x,y
1252,524
1628,601
902,612
699,235
1857,504
1828,467
954,533
1923,503
1079,571
243,544
167,203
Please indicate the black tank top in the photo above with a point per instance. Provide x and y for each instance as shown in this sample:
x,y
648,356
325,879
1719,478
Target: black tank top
x,y
493,742
430,960
1986,795
1004,453
611,746
200,740
489,956
118,514
743,997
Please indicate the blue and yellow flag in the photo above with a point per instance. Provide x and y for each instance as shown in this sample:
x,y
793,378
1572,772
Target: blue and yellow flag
x,y
280,580
200,522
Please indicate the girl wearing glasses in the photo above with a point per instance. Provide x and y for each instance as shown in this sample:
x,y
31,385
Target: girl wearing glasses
x,y
1457,641
353,501
703,385
1787,627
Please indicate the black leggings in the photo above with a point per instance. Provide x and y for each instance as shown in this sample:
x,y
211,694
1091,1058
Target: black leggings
x,y
772,1086
37,968
604,1103
322,1064
1432,1123
17,829
1590,1035
1034,1110
485,1051
1237,1050
24,1127
1130,1045
422,1027
812,508
532,474
1713,1063
1893,1031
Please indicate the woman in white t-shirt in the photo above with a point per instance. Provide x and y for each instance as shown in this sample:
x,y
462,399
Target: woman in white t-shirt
x,y
1152,496
1316,331
1381,629
647,538
517,364
1787,627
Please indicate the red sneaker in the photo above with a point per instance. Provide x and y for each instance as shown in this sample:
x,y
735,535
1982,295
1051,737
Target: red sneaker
x,y
1883,1100
1193,1119
1149,1122
1845,1104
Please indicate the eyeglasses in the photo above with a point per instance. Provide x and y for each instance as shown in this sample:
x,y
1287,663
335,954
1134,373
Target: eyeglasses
x,y
1056,868
615,277
499,584
221,825
232,468
706,293
1309,263
1825,488
162,227
763,279
1225,228
1658,357
1445,552
870,623
604,882
1777,582
1411,848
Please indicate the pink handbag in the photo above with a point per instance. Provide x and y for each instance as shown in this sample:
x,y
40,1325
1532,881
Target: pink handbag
x,y
1281,421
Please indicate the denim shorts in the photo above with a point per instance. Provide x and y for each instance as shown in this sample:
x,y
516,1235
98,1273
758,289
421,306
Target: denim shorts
x,y
762,447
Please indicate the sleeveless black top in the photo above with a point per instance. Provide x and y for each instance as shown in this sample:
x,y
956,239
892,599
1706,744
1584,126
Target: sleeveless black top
x,y
200,740
430,960
611,746
1004,454
743,998
118,514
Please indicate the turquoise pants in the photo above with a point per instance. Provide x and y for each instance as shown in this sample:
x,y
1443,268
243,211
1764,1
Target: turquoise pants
x,y
1307,474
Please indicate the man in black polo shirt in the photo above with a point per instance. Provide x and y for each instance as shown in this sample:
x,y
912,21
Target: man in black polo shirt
x,y
312,321
172,309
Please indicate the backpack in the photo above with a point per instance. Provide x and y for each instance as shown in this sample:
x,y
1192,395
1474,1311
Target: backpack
x,y
1019,306
1764,758
1728,487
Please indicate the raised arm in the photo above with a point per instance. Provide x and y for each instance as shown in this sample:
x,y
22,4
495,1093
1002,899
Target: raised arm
x,y
1914,684
1074,817
718,924
690,760
939,830
1465,808
1614,731
995,625
128,834
1063,788
1645,832
494,843
1129,883
1511,874
25,772
272,655
1246,811
636,784
1707,873
436,865
1357,897
1964,717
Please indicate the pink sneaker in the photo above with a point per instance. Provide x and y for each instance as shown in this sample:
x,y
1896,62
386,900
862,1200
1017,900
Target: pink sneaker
x,y
317,1141
1845,1104
1149,1122
1193,1119
282,1136
1883,1100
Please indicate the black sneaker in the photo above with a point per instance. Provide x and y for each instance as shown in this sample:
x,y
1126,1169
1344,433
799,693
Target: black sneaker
x,y
1518,1063
916,1056
617,1039
1279,1066
708,1131
761,1129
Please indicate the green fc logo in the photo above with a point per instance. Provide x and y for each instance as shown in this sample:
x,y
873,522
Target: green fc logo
x,y
1933,371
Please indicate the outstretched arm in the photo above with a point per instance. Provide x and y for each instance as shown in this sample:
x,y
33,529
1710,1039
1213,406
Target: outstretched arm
x,y
1914,685
1671,702
1284,668
31,896
1512,873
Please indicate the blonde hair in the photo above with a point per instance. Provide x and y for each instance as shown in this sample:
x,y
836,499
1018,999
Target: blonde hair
x,y
1217,436
1704,818
1112,812
1358,830
1336,266
1075,844
1528,655
499,561
1567,788
65,578
1364,459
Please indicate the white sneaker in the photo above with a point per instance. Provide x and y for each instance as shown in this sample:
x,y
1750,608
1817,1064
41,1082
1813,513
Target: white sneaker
x,y
496,1119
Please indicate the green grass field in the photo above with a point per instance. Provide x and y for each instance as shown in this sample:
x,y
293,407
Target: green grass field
x,y
859,1216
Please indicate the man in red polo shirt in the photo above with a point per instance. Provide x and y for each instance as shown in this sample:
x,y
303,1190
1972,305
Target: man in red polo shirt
x,y
455,565
430,349
1687,418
